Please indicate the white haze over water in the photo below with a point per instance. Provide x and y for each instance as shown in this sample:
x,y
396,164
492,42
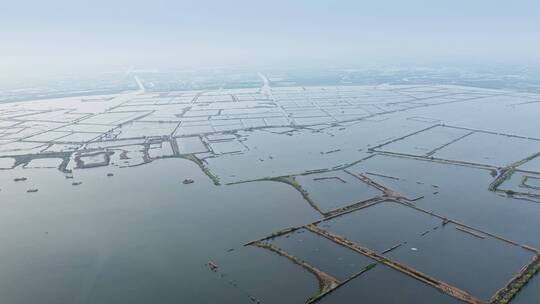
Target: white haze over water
x,y
63,35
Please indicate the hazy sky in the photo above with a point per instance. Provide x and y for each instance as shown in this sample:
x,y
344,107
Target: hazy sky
x,y
59,34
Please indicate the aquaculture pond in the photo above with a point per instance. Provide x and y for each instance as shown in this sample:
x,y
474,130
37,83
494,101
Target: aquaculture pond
x,y
318,251
473,262
386,285
381,226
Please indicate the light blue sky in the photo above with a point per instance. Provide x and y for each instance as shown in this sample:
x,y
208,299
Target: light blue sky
x,y
59,34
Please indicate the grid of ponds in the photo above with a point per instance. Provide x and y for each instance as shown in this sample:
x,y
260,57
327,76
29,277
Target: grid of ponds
x,y
407,175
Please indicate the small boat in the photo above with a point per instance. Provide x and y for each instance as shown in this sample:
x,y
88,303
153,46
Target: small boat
x,y
20,179
76,183
32,190
213,266
188,181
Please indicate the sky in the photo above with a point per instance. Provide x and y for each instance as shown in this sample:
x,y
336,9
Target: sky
x,y
68,34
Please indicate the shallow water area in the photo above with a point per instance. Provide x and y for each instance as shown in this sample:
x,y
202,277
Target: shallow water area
x,y
139,227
